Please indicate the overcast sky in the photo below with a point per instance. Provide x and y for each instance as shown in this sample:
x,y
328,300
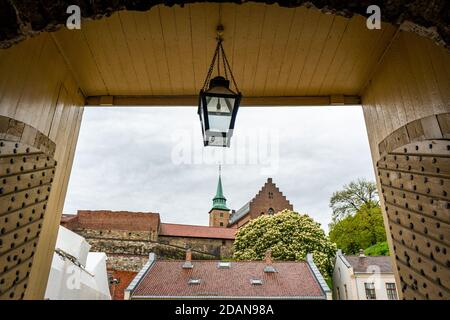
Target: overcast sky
x,y
152,159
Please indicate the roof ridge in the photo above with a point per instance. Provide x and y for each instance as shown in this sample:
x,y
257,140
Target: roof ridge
x,y
240,261
193,225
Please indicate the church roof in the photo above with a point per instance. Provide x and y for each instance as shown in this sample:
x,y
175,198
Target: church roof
x,y
219,200
236,216
191,231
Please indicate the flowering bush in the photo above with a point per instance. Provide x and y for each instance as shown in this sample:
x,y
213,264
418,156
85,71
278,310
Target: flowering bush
x,y
289,235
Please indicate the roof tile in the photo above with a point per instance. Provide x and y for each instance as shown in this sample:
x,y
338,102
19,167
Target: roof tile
x,y
167,279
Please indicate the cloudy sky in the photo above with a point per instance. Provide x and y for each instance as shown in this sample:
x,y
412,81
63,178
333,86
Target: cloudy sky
x,y
152,159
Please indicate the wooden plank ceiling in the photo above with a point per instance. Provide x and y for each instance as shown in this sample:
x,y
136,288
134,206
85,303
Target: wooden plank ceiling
x,y
276,52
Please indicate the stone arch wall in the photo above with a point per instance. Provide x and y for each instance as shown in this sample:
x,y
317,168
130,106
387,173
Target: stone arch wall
x,y
414,174
27,169
22,19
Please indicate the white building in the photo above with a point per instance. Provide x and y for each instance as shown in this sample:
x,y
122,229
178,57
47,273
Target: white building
x,y
363,278
76,273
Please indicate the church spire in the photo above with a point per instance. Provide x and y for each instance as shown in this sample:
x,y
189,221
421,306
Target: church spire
x,y
219,201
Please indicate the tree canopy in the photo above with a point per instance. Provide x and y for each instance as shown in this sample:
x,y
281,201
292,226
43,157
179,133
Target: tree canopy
x,y
289,235
360,231
353,196
379,249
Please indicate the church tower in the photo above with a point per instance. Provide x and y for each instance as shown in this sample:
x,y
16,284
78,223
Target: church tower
x,y
219,215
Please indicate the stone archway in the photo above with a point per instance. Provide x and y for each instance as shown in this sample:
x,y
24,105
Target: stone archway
x,y
414,175
22,19
26,176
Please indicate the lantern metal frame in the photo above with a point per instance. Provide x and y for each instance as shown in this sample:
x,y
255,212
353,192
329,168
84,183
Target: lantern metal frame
x,y
219,54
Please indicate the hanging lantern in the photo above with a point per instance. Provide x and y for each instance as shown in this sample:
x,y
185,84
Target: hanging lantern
x,y
218,104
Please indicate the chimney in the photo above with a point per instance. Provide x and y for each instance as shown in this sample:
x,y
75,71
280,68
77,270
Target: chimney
x,y
361,253
188,262
268,259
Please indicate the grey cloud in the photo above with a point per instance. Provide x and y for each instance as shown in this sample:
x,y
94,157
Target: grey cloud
x,y
123,160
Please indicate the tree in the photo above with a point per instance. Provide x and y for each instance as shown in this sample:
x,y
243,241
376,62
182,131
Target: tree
x,y
360,231
289,235
354,195
379,249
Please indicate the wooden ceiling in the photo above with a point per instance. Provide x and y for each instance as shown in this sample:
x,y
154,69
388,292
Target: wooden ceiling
x,y
274,52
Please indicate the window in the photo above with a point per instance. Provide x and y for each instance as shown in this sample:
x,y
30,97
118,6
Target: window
x,y
338,295
256,282
370,290
270,211
270,195
345,292
194,281
391,291
221,214
221,224
224,265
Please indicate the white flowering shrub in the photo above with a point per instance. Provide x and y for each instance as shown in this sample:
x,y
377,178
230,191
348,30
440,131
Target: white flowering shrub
x,y
289,235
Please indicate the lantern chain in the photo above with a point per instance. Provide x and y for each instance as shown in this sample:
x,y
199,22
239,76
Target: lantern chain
x,y
219,51
211,67
229,68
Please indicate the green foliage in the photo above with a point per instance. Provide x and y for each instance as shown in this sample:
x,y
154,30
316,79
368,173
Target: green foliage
x,y
379,249
353,196
360,231
289,235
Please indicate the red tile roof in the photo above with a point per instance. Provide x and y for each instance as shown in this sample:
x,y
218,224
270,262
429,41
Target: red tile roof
x,y
112,220
365,264
167,278
185,230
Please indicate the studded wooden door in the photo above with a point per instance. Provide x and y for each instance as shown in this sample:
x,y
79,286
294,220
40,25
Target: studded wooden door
x,y
414,173
27,168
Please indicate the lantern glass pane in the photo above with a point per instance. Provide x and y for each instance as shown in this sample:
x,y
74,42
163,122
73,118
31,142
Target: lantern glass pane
x,y
220,111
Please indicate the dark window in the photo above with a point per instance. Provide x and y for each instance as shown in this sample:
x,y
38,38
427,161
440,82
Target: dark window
x,y
224,242
270,195
370,290
338,295
221,214
221,224
345,292
391,291
270,211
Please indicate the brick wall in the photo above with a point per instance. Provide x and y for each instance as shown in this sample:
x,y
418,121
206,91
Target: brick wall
x,y
219,218
113,220
269,197
124,278
216,248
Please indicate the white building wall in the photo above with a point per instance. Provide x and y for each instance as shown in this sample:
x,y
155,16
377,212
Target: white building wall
x,y
344,277
379,281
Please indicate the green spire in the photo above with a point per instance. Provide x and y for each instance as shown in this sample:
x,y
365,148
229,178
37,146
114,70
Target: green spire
x,y
219,201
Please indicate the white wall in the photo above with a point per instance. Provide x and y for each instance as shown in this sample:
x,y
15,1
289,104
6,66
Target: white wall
x,y
379,280
343,275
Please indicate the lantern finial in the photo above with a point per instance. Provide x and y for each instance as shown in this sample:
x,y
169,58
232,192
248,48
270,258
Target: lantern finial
x,y
219,31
